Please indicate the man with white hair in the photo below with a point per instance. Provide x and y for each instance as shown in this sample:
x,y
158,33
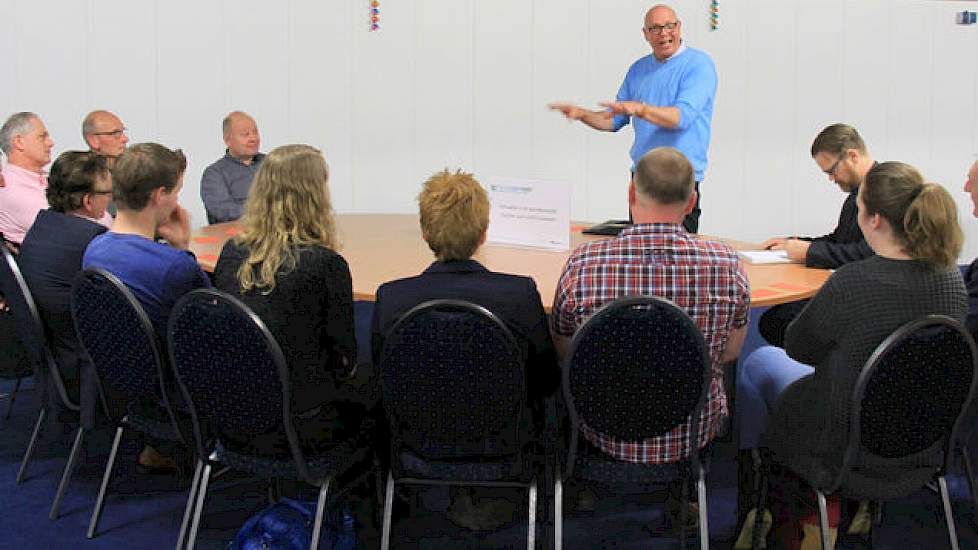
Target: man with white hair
x,y
27,144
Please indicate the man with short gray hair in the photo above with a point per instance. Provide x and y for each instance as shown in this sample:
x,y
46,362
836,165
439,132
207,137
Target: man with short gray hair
x,y
27,144
225,184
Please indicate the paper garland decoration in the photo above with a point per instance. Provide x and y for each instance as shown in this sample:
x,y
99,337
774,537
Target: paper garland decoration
x,y
714,14
374,15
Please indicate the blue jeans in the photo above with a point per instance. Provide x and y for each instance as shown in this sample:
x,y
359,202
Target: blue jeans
x,y
761,378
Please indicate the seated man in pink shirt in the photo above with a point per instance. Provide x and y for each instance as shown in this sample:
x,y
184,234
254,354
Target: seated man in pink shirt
x,y
27,144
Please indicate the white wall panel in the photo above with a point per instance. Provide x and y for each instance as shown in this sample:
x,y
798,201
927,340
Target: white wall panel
x,y
256,55
910,73
8,61
503,74
444,88
122,66
865,59
615,41
560,45
51,66
191,99
772,93
321,86
819,74
383,107
725,185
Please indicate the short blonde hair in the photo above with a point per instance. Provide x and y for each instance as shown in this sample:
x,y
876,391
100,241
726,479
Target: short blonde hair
x,y
454,214
288,207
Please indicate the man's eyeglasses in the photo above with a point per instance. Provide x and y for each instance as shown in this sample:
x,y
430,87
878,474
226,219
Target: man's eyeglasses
x,y
109,192
113,133
835,165
657,29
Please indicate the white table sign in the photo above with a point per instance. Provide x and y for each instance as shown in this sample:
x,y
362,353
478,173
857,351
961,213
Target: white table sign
x,y
528,212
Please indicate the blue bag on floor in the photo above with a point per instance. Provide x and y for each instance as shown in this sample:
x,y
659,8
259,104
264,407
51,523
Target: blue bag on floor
x,y
287,525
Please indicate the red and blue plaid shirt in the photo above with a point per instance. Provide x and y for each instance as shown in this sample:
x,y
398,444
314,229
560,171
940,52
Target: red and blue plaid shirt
x,y
703,277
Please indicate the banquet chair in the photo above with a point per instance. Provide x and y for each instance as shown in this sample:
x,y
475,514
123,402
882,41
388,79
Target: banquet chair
x,y
237,385
125,352
897,416
14,362
454,392
32,334
638,368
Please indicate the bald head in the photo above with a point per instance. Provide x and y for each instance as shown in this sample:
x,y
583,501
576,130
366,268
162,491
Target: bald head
x,y
663,31
661,10
241,136
104,133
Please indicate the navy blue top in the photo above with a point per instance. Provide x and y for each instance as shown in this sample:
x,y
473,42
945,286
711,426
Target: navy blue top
x,y
512,298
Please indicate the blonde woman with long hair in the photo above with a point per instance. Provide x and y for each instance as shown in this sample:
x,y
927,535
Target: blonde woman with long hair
x,y
285,266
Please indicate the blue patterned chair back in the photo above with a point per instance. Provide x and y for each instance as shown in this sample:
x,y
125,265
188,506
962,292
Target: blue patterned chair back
x,y
453,381
913,391
119,338
229,367
30,328
637,368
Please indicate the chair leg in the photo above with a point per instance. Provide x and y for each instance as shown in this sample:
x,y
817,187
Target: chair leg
x,y
963,449
760,510
317,525
531,528
13,397
66,476
100,501
823,520
558,509
30,446
683,513
191,498
385,535
199,507
948,513
701,495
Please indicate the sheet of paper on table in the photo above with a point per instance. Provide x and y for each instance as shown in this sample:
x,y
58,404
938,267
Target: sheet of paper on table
x,y
765,256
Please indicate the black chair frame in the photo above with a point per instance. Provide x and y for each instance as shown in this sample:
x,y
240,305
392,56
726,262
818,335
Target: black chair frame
x,y
208,447
697,464
34,337
127,420
531,486
854,443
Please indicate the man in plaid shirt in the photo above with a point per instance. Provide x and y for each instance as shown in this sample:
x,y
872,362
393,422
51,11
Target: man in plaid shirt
x,y
658,257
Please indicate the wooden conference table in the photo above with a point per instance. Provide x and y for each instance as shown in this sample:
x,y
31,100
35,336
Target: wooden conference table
x,y
382,247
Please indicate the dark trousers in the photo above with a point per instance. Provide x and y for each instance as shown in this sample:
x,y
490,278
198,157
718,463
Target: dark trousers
x,y
774,322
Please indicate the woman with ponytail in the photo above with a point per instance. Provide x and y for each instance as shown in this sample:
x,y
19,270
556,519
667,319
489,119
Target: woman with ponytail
x,y
913,229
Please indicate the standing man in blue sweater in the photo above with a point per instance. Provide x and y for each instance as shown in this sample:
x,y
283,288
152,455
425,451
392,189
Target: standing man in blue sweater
x,y
668,96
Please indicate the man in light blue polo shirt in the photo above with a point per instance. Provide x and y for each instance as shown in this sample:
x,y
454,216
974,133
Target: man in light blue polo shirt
x,y
668,97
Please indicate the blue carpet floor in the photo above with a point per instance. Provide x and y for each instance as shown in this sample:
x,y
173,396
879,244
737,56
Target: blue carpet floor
x,y
144,512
